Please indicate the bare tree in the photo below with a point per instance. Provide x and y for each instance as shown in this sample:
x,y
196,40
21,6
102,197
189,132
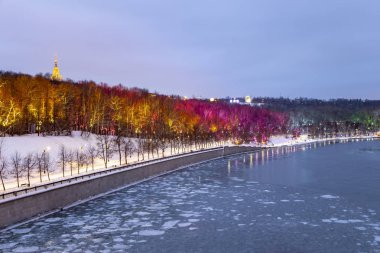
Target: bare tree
x,y
140,149
62,158
128,148
3,171
162,145
118,142
29,164
86,160
91,153
79,159
3,165
70,160
157,147
40,164
146,148
154,146
104,143
44,164
17,168
48,163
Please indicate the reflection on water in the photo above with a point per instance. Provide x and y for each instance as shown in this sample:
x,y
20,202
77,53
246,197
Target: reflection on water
x,y
269,154
313,198
321,165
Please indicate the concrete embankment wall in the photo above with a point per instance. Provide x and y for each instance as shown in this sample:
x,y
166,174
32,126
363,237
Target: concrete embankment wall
x,y
31,205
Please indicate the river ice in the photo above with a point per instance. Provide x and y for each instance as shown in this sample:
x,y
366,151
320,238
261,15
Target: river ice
x,y
200,209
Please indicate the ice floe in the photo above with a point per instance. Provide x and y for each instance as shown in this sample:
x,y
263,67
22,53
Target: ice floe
x,y
142,213
151,232
55,219
26,249
237,179
81,236
21,230
327,196
7,245
268,202
341,221
170,224
184,224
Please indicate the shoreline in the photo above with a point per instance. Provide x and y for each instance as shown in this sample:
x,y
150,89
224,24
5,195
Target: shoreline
x,y
300,141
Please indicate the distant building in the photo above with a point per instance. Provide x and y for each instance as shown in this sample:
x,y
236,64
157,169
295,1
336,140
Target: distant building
x,y
56,76
235,101
247,100
257,104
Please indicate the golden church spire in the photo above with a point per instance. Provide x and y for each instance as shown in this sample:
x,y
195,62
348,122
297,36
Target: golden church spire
x,y
56,76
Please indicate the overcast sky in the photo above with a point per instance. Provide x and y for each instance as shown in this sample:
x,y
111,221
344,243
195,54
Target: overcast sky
x,y
290,48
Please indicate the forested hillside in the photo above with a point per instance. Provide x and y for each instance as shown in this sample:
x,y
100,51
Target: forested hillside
x,y
35,104
319,117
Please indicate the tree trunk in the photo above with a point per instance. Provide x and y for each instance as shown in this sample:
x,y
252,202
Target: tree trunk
x,y
28,176
63,165
119,149
2,181
18,179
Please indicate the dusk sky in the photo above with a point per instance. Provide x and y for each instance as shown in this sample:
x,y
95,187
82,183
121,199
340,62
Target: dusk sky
x,y
293,48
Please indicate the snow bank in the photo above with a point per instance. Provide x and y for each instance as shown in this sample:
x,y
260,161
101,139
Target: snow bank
x,y
32,144
26,144
276,141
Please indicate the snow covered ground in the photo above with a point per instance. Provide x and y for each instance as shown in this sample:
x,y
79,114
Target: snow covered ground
x,y
277,141
26,144
32,144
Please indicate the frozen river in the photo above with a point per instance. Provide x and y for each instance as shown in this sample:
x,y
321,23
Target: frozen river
x,y
316,198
